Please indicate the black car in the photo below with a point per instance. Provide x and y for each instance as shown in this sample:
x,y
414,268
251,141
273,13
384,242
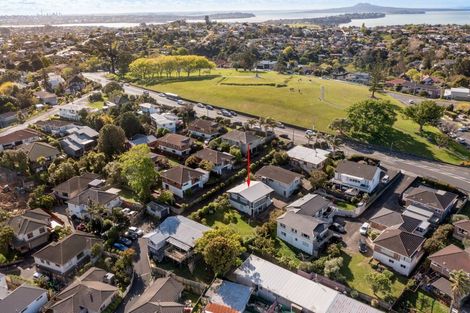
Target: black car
x,y
362,246
131,235
285,136
338,228
336,238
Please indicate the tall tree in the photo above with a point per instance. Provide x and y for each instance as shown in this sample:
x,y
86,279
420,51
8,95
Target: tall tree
x,y
372,117
111,140
377,75
427,112
460,285
130,123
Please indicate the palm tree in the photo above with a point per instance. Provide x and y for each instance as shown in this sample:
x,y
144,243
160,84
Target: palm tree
x,y
309,137
270,123
251,123
460,285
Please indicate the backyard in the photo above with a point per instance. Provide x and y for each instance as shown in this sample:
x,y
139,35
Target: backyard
x,y
273,94
420,302
355,269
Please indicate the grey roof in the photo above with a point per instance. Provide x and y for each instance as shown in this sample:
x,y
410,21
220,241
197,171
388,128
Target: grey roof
x,y
309,204
387,218
76,184
244,137
61,252
178,228
93,196
356,169
306,224
345,304
36,150
214,156
306,293
182,174
85,293
278,174
256,190
400,242
83,131
23,224
161,296
141,139
230,294
20,298
426,196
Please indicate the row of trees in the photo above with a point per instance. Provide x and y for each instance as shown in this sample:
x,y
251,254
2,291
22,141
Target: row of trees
x,y
166,65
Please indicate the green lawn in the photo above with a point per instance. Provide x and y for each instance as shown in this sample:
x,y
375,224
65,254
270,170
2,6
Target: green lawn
x,y
355,269
422,303
299,104
242,225
466,210
345,206
96,105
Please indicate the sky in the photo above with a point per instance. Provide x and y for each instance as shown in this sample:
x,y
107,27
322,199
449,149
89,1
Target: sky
x,y
28,7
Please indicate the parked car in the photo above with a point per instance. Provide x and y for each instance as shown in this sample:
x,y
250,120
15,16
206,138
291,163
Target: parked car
x,y
411,101
309,132
385,179
362,246
336,238
364,229
125,241
463,129
81,227
180,102
125,211
461,140
338,227
131,235
120,246
209,107
136,230
40,276
200,105
285,136
280,125
232,113
226,113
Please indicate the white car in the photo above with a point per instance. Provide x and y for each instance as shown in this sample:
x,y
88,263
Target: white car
x,y
364,229
411,101
180,102
309,132
37,276
136,230
385,179
126,211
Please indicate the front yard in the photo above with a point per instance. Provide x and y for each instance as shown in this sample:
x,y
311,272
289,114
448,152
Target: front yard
x,y
420,302
233,219
356,267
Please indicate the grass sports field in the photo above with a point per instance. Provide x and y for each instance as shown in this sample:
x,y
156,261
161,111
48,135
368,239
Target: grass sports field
x,y
297,100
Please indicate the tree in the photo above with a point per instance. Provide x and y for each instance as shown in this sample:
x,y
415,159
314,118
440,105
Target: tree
x,y
380,282
340,125
93,162
220,248
206,165
39,199
460,284
318,178
373,117
62,172
130,124
427,112
6,236
111,140
377,75
333,267
96,250
111,87
16,160
166,197
192,161
123,267
138,169
236,152
280,158
439,239
442,140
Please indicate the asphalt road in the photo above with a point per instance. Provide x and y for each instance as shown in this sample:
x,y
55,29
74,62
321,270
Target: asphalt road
x,y
454,175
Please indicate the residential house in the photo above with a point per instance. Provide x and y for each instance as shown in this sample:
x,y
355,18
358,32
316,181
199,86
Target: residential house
x,y
307,159
40,150
24,299
462,230
163,296
30,230
439,202
278,285
157,210
18,138
88,293
61,258
79,140
175,238
55,127
204,129
162,121
141,139
229,295
76,83
71,112
78,206
148,108
356,175
46,97
252,198
54,80
181,180
243,140
386,218
223,162
460,94
448,259
282,181
8,118
399,250
358,78
75,185
175,144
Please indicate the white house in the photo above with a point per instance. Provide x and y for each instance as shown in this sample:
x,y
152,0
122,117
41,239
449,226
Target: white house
x,y
399,250
284,182
251,199
24,299
148,108
182,180
162,121
307,159
62,257
157,209
360,176
71,112
31,229
462,94
78,205
175,144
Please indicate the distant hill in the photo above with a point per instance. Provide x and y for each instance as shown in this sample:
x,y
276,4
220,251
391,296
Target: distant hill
x,y
371,8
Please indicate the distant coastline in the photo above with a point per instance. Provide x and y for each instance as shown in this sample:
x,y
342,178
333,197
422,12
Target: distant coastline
x,y
330,20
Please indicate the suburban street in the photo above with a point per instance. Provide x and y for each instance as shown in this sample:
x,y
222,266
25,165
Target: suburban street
x,y
454,175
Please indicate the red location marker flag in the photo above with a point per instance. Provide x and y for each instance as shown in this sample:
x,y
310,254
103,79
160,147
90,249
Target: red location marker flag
x,y
248,166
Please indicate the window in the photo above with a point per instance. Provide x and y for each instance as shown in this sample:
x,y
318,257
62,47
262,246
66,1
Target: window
x,y
80,255
41,230
29,235
283,233
305,236
282,225
294,230
403,266
391,261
